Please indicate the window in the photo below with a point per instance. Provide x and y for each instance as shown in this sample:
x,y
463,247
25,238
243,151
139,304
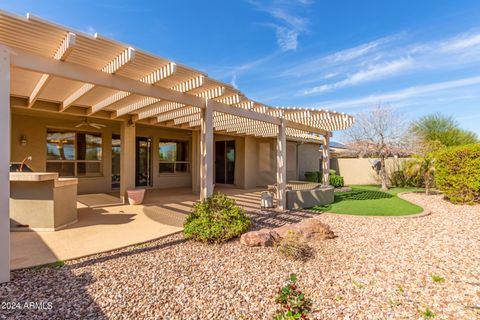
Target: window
x,y
74,154
116,148
173,156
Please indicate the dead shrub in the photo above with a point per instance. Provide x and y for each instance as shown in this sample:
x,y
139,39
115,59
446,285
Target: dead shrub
x,y
295,248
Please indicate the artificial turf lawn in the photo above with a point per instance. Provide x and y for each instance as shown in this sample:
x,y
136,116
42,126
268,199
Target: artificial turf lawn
x,y
370,201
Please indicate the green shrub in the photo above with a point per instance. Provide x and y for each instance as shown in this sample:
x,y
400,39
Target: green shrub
x,y
336,181
313,176
409,174
317,176
292,301
457,173
215,220
398,178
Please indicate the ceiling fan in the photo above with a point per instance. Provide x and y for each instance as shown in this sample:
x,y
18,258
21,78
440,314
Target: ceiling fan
x,y
86,123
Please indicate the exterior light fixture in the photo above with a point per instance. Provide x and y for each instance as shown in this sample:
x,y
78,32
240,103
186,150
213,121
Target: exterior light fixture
x,y
23,140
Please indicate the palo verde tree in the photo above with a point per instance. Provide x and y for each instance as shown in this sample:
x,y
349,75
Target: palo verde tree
x,y
379,132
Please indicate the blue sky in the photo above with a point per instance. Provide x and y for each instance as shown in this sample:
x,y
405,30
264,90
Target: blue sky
x,y
416,56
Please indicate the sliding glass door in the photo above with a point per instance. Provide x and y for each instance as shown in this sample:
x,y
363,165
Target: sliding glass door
x,y
225,162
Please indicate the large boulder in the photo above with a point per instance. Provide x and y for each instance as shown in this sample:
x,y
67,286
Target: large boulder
x,y
308,229
263,238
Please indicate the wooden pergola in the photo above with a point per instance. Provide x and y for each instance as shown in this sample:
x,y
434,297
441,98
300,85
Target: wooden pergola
x,y
49,67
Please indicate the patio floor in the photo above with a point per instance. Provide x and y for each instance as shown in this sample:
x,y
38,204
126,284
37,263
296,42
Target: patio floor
x,y
105,224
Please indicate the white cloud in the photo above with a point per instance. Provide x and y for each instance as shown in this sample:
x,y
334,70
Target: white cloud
x,y
339,58
462,42
231,73
385,58
374,72
287,39
288,23
403,94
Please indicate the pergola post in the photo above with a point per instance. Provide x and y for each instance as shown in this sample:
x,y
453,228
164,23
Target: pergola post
x,y
206,152
195,166
127,159
4,164
281,166
326,161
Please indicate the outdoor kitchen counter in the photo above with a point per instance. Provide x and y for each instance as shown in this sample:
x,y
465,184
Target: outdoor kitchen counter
x,y
42,201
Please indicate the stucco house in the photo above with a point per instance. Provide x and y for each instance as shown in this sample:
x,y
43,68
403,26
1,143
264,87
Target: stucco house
x,y
116,118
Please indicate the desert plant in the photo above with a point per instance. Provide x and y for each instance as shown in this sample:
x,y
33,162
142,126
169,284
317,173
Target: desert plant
x,y
317,176
427,313
398,178
457,173
417,172
436,278
442,129
336,181
292,301
293,247
215,220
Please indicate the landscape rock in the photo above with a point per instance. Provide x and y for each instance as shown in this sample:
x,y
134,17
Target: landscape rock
x,y
263,238
308,229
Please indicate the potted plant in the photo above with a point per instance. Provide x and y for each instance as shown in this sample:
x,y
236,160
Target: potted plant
x,y
135,196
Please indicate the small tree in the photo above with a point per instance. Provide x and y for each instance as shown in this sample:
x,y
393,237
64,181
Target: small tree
x,y
379,132
438,128
424,165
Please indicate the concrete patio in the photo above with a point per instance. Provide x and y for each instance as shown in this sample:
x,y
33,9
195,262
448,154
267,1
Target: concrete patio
x,y
106,224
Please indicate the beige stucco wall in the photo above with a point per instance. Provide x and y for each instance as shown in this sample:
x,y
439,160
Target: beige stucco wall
x,y
166,180
34,125
360,171
255,163
308,159
266,161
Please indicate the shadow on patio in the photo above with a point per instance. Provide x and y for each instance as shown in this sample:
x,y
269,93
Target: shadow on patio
x,y
105,225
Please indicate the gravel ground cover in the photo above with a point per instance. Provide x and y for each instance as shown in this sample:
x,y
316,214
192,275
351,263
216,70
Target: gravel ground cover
x,y
377,268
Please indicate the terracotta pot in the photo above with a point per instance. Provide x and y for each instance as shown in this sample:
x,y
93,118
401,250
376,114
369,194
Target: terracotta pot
x,y
135,196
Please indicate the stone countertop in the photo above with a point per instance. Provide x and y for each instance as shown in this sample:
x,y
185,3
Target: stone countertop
x,y
33,176
42,176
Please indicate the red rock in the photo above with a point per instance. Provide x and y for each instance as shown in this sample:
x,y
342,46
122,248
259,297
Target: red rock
x,y
308,229
262,238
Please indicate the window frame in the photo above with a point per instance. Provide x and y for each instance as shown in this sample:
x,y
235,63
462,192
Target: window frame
x,y
175,162
76,161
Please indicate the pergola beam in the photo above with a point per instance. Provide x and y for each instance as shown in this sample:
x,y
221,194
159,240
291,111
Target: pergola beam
x,y
113,66
220,107
63,69
62,53
212,93
156,109
186,86
180,112
152,78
